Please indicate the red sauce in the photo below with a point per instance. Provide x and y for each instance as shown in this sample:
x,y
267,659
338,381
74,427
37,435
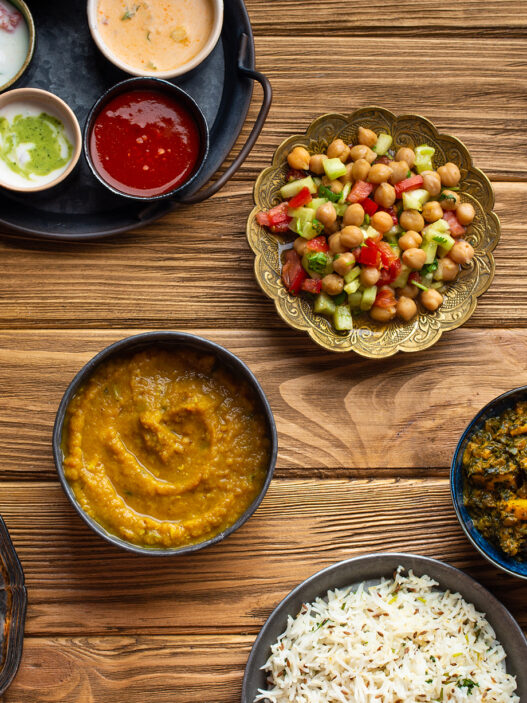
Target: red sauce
x,y
144,143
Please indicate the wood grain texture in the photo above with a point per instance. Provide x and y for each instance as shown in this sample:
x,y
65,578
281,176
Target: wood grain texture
x,y
163,669
331,411
195,269
79,585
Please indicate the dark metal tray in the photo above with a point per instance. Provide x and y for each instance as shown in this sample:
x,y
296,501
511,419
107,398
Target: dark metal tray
x,y
12,609
68,63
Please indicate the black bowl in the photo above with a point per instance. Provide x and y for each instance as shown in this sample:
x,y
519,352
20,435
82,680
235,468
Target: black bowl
x,y
491,552
164,340
177,94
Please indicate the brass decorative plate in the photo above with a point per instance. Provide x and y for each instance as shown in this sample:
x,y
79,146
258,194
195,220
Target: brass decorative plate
x,y
369,338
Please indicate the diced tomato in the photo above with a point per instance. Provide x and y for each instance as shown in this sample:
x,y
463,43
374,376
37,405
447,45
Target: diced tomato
x,y
408,184
392,213
385,298
370,206
382,160
456,228
301,198
388,256
318,244
310,285
415,276
295,174
280,228
274,217
359,192
390,273
293,275
9,19
370,254
262,218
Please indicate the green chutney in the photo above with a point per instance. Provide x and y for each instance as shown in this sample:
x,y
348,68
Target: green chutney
x,y
46,147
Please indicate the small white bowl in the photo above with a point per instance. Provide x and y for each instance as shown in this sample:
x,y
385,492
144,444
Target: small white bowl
x,y
56,107
173,73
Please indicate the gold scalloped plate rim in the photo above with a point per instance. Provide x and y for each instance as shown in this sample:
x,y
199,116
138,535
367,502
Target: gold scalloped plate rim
x,y
330,339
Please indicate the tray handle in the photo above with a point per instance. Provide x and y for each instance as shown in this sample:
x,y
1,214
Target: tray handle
x,y
253,136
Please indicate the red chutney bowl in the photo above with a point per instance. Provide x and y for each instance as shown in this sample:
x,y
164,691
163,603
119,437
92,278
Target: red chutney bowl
x,y
146,139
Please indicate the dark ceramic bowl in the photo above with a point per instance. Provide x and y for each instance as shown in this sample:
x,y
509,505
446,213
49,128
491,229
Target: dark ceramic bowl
x,y
171,340
492,553
372,569
13,600
173,91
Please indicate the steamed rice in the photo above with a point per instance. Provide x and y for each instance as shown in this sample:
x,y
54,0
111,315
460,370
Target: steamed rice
x,y
397,642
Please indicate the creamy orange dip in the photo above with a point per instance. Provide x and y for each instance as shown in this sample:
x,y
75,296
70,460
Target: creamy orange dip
x,y
155,35
165,448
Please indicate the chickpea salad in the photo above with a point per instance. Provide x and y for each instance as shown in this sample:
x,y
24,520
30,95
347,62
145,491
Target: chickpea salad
x,y
378,229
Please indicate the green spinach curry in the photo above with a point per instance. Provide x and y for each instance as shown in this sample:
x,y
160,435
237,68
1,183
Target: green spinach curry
x,y
495,489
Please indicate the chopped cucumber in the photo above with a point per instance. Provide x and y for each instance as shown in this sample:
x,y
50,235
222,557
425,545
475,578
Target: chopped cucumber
x,y
342,319
354,300
352,275
370,232
289,190
438,227
302,213
341,208
346,191
423,157
383,143
316,203
308,229
318,263
395,231
402,278
334,168
352,287
445,241
324,305
368,297
430,247
415,199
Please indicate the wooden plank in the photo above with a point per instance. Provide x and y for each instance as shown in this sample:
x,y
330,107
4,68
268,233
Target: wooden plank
x,y
193,269
79,585
377,17
112,669
330,410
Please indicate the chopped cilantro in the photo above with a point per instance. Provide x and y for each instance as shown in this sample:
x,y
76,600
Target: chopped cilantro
x,y
130,12
317,261
468,684
327,193
367,220
447,196
428,268
340,298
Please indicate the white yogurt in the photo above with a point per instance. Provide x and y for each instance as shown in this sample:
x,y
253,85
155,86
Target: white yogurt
x,y
22,150
14,45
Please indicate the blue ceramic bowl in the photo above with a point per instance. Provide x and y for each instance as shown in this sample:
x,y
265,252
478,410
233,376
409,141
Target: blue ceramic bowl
x,y
493,554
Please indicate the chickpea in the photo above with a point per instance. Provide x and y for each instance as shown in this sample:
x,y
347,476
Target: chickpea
x,y
367,136
379,173
326,214
299,158
399,171
335,244
449,174
344,263
431,299
465,213
384,195
338,149
409,291
354,215
336,187
382,221
351,237
431,182
449,200
406,154
410,240
300,246
411,219
462,252
406,308
348,176
360,169
316,163
361,151
369,276
432,211
447,270
332,284
414,258
382,314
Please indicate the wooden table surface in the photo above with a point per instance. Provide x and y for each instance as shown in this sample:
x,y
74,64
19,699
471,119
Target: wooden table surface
x,y
365,446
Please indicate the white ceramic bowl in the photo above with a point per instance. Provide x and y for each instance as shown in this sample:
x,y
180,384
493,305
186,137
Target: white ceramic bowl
x,y
54,106
173,73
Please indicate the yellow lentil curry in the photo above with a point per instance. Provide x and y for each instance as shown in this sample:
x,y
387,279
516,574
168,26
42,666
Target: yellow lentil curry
x,y
165,448
495,490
